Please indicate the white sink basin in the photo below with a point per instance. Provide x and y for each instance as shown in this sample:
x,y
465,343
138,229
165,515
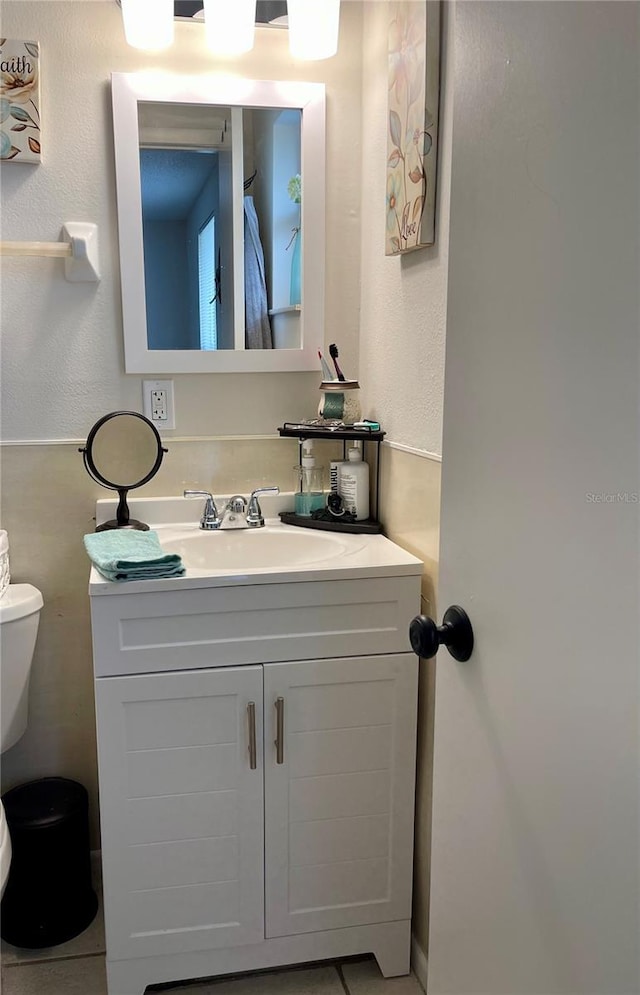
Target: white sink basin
x,y
272,547
274,554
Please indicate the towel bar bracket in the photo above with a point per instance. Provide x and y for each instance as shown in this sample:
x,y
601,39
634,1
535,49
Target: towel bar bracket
x,y
78,247
83,264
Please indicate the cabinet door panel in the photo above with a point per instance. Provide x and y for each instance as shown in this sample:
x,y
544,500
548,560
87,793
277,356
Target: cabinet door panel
x,y
182,817
343,795
182,812
338,751
179,863
324,840
180,722
182,770
355,882
339,810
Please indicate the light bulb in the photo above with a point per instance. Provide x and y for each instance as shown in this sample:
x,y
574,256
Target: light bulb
x,y
313,28
230,25
148,24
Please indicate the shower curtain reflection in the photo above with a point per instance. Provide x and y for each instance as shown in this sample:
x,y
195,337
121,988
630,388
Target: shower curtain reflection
x,y
257,323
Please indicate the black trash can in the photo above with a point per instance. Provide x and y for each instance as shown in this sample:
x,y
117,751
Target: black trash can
x,y
49,898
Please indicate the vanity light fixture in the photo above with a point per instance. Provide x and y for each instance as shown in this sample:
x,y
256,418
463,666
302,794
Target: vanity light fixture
x,y
230,26
148,24
313,28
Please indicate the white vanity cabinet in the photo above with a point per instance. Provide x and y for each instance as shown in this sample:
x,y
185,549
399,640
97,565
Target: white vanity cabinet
x,y
254,813
182,811
339,809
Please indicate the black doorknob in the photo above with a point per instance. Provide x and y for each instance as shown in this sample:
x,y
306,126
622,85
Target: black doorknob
x,y
455,633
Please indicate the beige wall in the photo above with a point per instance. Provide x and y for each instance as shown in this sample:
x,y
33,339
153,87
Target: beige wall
x,y
62,362
62,353
410,497
62,356
402,337
403,298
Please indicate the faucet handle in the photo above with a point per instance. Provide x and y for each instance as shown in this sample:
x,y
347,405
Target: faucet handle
x,y
254,511
209,518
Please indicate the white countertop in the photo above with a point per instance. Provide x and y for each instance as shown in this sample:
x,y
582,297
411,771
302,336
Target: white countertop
x,y
349,555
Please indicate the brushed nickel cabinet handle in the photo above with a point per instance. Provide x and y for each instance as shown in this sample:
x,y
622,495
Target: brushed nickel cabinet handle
x,y
279,740
251,712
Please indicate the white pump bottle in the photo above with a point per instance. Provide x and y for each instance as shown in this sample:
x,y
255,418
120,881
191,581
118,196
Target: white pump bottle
x,y
354,484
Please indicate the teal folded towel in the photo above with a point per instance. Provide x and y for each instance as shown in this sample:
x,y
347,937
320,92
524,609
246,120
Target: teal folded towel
x,y
126,554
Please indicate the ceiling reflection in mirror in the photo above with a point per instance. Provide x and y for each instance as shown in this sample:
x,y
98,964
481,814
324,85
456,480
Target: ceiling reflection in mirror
x,y
200,224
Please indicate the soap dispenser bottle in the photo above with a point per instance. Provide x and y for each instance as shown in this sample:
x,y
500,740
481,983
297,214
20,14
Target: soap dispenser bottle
x,y
354,484
309,487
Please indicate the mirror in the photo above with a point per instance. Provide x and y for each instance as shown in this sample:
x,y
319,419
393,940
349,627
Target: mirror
x,y
123,451
220,188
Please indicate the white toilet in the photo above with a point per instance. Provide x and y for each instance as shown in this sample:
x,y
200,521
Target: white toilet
x,y
19,617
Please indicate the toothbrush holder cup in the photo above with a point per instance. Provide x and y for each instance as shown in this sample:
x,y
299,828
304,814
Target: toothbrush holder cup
x,y
340,399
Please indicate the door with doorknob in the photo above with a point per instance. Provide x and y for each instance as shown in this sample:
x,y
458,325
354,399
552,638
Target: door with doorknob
x,y
534,860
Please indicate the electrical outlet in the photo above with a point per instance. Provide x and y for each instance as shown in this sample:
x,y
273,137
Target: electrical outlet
x,y
157,397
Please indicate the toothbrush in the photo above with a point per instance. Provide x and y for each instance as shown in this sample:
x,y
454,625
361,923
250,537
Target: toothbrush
x,y
326,369
333,352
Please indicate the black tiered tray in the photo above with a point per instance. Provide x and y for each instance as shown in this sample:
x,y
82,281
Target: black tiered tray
x,y
302,431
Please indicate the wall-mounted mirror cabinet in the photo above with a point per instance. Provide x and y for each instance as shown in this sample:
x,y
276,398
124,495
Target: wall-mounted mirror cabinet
x,y
221,214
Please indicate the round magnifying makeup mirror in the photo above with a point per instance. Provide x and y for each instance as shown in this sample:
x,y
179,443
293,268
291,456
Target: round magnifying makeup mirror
x,y
123,451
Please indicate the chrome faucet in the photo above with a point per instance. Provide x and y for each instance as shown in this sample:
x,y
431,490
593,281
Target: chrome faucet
x,y
238,513
210,519
235,511
254,511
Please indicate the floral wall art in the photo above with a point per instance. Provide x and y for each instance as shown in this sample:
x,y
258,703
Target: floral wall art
x,y
19,101
412,124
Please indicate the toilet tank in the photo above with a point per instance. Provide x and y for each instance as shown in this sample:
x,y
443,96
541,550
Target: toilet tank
x,y
19,617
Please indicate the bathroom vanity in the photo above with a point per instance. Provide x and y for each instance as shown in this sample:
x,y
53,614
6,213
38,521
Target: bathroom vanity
x,y
256,740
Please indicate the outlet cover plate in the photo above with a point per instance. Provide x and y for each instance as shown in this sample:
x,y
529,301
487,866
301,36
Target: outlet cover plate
x,y
150,409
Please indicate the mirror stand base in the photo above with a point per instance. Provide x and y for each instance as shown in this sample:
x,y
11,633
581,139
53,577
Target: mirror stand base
x,y
131,524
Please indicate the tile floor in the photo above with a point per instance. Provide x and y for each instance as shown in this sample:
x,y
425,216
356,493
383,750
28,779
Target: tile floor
x,y
77,968
86,976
